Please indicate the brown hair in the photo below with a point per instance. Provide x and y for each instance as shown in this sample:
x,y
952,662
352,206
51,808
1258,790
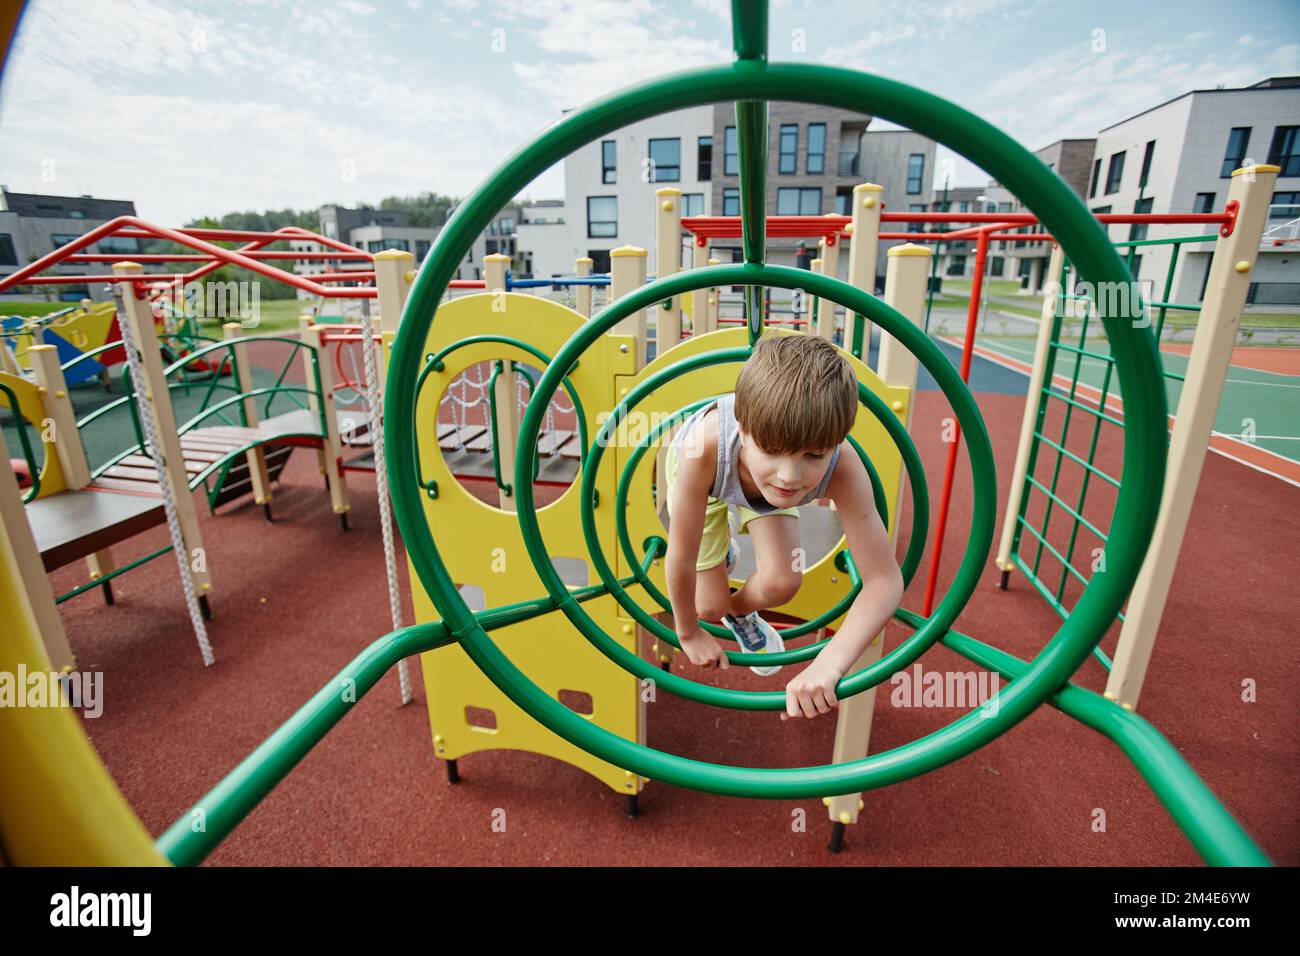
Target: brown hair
x,y
795,393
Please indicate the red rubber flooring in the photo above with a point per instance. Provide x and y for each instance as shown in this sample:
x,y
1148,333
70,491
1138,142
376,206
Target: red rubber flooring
x,y
296,600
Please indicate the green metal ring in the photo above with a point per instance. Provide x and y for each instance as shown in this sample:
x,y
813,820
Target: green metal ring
x,y
889,319
1062,214
793,656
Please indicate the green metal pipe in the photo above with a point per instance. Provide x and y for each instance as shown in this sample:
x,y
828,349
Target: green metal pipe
x,y
196,834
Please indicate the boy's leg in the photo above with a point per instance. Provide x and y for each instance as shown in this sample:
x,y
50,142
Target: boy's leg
x,y
712,584
775,581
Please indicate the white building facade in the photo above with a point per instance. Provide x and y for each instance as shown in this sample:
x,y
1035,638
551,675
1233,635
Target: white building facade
x,y
1178,157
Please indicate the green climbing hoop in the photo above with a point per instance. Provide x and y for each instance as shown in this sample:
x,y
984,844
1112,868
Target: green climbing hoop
x,y
1061,213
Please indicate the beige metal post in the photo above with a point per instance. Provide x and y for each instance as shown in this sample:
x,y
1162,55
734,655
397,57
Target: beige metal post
x,y
830,258
504,391
627,274
27,560
1207,367
814,266
582,296
700,297
1046,318
154,390
67,438
305,322
668,261
58,408
864,245
332,452
392,268
257,474
905,278
714,303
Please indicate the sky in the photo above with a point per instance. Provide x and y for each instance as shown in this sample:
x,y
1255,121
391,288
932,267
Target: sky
x,y
202,107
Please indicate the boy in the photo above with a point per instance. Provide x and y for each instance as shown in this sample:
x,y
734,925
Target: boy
x,y
777,443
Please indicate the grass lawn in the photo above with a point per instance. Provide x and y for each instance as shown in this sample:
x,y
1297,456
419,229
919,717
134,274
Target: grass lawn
x,y
27,309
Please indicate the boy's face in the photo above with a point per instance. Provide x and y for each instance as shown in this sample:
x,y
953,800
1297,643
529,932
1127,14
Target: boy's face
x,y
784,479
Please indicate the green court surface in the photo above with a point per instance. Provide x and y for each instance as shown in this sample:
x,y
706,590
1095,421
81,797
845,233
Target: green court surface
x,y
1258,407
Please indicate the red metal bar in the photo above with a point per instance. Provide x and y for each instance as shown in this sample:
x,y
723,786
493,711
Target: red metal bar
x,y
107,277
728,227
950,467
198,257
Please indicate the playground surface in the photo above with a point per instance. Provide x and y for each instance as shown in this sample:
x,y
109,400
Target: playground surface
x,y
295,602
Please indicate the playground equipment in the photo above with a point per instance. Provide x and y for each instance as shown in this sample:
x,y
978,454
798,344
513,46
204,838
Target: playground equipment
x,y
91,822
1236,247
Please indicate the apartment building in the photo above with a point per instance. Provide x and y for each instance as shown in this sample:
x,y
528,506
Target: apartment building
x,y
816,157
1071,159
1178,157
33,225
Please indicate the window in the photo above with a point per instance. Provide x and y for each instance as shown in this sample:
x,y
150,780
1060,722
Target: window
x,y
1101,210
1115,173
789,148
1238,141
1204,202
996,266
61,239
816,161
963,206
1004,207
731,201
1138,231
704,170
608,166
507,226
665,160
602,217
1283,151
693,204
1146,164
8,254
915,173
1096,175
843,204
421,249
957,266
916,207
730,153
1285,206
379,245
795,201
119,244
599,261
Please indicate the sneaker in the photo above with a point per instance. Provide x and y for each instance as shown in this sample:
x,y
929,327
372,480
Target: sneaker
x,y
733,554
756,636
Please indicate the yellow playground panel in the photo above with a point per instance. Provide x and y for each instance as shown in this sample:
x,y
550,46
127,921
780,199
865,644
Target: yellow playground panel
x,y
86,328
489,553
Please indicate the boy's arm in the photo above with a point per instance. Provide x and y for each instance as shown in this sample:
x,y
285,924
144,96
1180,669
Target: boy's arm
x,y
812,692
690,496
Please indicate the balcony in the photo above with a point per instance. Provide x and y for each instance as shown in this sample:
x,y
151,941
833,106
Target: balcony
x,y
1282,227
848,164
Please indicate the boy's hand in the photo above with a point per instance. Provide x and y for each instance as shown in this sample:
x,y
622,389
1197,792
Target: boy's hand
x,y
813,691
703,649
